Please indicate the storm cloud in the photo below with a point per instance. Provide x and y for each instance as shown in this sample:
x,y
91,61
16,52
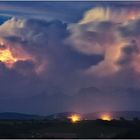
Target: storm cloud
x,y
55,66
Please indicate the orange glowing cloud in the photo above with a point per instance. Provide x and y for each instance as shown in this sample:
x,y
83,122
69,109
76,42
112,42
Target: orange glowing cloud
x,y
108,28
99,14
12,53
10,56
109,64
7,57
132,15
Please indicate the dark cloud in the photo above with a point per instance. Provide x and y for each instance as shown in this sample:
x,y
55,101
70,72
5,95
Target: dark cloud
x,y
131,29
59,66
47,58
128,53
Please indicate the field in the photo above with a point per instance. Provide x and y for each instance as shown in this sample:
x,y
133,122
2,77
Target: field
x,y
67,129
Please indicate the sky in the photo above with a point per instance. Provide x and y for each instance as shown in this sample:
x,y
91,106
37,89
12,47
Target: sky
x,y
69,56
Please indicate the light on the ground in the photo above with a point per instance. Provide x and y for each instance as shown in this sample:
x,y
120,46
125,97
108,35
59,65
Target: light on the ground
x,y
75,118
106,117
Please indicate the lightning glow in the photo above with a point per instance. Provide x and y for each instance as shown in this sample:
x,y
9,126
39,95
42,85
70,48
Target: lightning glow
x,y
10,56
7,57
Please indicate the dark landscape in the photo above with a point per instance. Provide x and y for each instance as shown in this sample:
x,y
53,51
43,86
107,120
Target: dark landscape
x,y
33,126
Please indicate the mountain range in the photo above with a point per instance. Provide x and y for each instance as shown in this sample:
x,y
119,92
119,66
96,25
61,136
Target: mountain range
x,y
89,116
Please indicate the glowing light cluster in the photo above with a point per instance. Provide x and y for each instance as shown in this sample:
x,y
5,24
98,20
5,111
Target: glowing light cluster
x,y
7,57
106,117
75,118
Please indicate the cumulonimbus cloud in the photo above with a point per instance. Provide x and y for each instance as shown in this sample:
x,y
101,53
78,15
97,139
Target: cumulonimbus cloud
x,y
30,39
27,48
100,51
40,56
107,31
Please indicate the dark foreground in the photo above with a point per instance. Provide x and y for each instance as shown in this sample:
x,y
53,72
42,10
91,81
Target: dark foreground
x,y
66,129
